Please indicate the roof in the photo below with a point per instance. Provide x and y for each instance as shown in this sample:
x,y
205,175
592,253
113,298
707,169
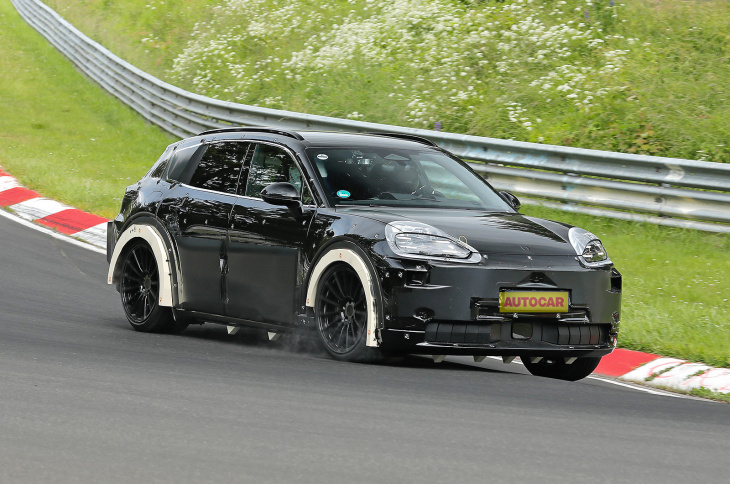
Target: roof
x,y
333,138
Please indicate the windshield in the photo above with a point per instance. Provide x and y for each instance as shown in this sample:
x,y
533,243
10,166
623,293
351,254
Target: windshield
x,y
389,177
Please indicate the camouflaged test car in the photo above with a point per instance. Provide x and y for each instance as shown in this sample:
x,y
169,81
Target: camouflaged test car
x,y
382,244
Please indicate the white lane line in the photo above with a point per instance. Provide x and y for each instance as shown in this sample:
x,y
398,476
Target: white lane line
x,y
50,232
647,390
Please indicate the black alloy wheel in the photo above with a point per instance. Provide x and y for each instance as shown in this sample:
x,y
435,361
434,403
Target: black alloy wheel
x,y
140,290
341,313
558,369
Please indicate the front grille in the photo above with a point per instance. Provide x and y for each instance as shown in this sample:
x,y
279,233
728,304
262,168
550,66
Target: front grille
x,y
565,329
556,333
575,334
461,333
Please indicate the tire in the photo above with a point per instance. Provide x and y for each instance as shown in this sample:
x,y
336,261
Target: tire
x,y
556,368
341,315
139,288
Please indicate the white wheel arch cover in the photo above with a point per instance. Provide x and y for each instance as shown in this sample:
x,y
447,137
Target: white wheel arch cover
x,y
150,235
351,258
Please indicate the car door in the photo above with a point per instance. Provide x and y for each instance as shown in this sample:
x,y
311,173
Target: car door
x,y
196,212
266,241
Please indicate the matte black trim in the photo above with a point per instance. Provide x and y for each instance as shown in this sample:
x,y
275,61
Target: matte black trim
x,y
283,132
232,321
110,240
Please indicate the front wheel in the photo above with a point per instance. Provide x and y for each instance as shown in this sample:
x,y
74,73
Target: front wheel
x,y
558,369
342,316
140,290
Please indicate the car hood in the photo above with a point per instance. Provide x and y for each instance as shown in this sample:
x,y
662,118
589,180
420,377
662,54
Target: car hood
x,y
487,232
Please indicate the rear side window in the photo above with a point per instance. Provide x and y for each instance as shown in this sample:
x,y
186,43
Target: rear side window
x,y
220,167
159,167
179,162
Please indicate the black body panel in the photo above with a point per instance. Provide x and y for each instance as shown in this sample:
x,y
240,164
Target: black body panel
x,y
490,233
198,221
266,243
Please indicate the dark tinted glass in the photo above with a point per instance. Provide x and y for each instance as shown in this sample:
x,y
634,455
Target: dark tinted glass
x,y
271,164
159,167
179,162
398,177
220,167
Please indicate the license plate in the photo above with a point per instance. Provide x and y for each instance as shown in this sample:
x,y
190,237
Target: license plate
x,y
533,301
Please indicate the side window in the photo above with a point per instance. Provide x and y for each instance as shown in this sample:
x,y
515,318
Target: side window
x,y
159,167
295,178
178,164
220,167
272,164
445,182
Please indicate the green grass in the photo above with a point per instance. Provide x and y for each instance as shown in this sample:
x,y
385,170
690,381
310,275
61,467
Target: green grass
x,y
705,393
122,26
61,134
64,137
668,96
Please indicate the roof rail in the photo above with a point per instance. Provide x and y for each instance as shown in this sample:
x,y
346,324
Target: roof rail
x,y
259,129
410,137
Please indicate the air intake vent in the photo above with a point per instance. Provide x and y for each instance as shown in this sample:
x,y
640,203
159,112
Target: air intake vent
x,y
459,333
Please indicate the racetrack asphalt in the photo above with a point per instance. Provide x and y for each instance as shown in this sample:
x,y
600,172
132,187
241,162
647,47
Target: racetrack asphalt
x,y
84,398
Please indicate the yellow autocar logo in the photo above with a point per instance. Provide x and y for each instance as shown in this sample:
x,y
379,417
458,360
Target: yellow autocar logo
x,y
534,301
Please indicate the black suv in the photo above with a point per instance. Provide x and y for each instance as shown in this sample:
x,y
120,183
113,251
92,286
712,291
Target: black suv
x,y
382,244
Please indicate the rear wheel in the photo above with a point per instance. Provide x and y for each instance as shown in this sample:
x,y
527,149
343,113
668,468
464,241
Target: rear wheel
x,y
342,316
558,369
140,290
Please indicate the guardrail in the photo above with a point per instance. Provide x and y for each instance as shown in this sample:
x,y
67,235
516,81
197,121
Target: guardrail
x,y
665,191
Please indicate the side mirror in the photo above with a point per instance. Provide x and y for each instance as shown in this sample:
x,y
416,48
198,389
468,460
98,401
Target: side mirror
x,y
281,193
513,201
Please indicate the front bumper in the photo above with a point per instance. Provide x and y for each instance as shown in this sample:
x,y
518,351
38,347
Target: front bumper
x,y
445,309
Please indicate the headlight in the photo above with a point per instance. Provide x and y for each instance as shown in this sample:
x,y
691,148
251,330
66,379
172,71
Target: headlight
x,y
422,241
588,247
